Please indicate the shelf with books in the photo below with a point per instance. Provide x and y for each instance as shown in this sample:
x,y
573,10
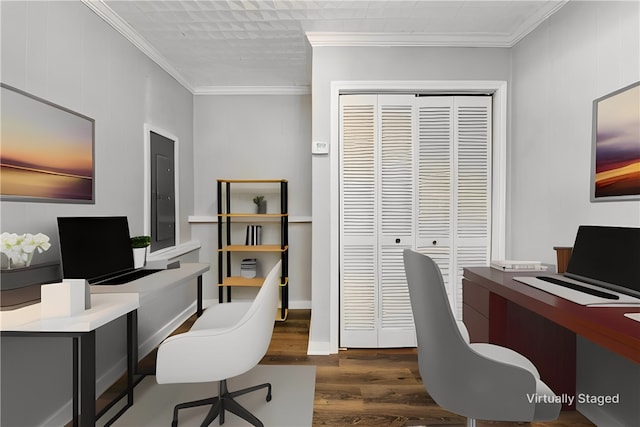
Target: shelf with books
x,y
228,243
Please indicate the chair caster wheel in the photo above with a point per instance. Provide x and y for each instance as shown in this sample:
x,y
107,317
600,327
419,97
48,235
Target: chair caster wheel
x,y
268,398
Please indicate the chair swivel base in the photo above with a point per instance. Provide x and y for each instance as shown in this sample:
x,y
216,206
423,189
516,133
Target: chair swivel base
x,y
224,402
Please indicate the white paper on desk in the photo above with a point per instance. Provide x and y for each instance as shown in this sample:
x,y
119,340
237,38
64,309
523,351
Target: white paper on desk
x,y
634,316
514,265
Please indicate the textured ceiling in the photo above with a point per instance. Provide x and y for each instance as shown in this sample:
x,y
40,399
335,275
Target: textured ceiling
x,y
237,43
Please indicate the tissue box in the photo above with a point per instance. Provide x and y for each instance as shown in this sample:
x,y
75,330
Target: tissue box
x,y
64,299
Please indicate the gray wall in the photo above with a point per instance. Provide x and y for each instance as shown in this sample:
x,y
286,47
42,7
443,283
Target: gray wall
x,y
369,64
63,52
584,51
255,137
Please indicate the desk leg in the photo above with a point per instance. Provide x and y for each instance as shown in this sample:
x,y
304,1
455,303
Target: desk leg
x,y
88,379
132,366
132,352
75,375
199,309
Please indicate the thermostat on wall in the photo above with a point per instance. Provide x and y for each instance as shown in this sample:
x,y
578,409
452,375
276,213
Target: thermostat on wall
x,y
320,147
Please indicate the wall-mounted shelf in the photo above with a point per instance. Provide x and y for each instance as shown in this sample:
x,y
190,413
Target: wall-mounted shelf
x,y
226,218
252,215
212,219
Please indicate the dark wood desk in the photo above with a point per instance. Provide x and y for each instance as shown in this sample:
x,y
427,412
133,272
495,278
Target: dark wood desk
x,y
541,326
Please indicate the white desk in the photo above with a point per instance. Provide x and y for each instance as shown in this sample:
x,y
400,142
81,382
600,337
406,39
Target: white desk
x,y
108,302
104,309
156,282
28,322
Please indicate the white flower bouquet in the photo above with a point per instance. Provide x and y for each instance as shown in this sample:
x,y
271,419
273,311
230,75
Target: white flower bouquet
x,y
19,248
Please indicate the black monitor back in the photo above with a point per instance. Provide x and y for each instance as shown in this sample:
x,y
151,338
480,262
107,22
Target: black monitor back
x,y
94,248
607,256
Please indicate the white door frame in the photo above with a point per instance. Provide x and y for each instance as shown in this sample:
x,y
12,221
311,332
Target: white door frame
x,y
497,88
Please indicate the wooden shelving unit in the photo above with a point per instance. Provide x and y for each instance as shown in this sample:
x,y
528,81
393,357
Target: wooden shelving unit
x,y
226,247
254,248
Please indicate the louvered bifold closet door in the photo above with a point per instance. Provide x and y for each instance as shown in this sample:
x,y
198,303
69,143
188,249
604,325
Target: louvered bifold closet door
x,y
396,213
473,202
435,154
454,153
358,254
415,173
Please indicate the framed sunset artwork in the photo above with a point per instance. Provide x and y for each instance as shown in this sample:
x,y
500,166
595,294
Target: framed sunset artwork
x,y
47,151
615,171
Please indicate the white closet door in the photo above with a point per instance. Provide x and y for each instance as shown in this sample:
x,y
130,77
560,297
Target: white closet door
x,y
454,138
359,224
396,213
473,191
435,154
377,203
415,173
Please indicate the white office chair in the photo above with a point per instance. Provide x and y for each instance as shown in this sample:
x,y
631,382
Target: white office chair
x,y
226,341
478,381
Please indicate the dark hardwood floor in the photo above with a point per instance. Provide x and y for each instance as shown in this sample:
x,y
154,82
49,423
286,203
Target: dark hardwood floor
x,y
360,387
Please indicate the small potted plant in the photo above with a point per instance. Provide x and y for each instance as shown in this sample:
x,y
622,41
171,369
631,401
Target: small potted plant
x,y
261,204
139,246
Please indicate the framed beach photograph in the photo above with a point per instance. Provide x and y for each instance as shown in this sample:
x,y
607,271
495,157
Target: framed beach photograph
x,y
615,169
47,152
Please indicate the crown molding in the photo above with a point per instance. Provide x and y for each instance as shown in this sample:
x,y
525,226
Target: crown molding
x,y
252,90
335,39
353,39
110,17
319,39
535,20
114,20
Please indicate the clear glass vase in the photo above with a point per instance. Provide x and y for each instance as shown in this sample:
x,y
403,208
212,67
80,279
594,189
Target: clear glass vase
x,y
23,261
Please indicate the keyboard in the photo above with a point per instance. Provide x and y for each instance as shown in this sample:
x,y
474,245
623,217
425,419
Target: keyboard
x,y
577,287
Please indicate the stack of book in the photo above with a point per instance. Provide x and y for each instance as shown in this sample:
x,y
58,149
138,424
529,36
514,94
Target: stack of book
x,y
254,235
512,265
249,268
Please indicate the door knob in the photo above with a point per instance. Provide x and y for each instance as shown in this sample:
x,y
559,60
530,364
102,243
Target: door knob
x,y
397,240
435,242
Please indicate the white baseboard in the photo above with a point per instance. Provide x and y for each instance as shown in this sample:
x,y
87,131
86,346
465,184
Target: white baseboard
x,y
319,348
60,417
293,305
300,305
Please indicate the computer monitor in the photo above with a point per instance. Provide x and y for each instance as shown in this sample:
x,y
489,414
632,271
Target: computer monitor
x,y
608,257
94,248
